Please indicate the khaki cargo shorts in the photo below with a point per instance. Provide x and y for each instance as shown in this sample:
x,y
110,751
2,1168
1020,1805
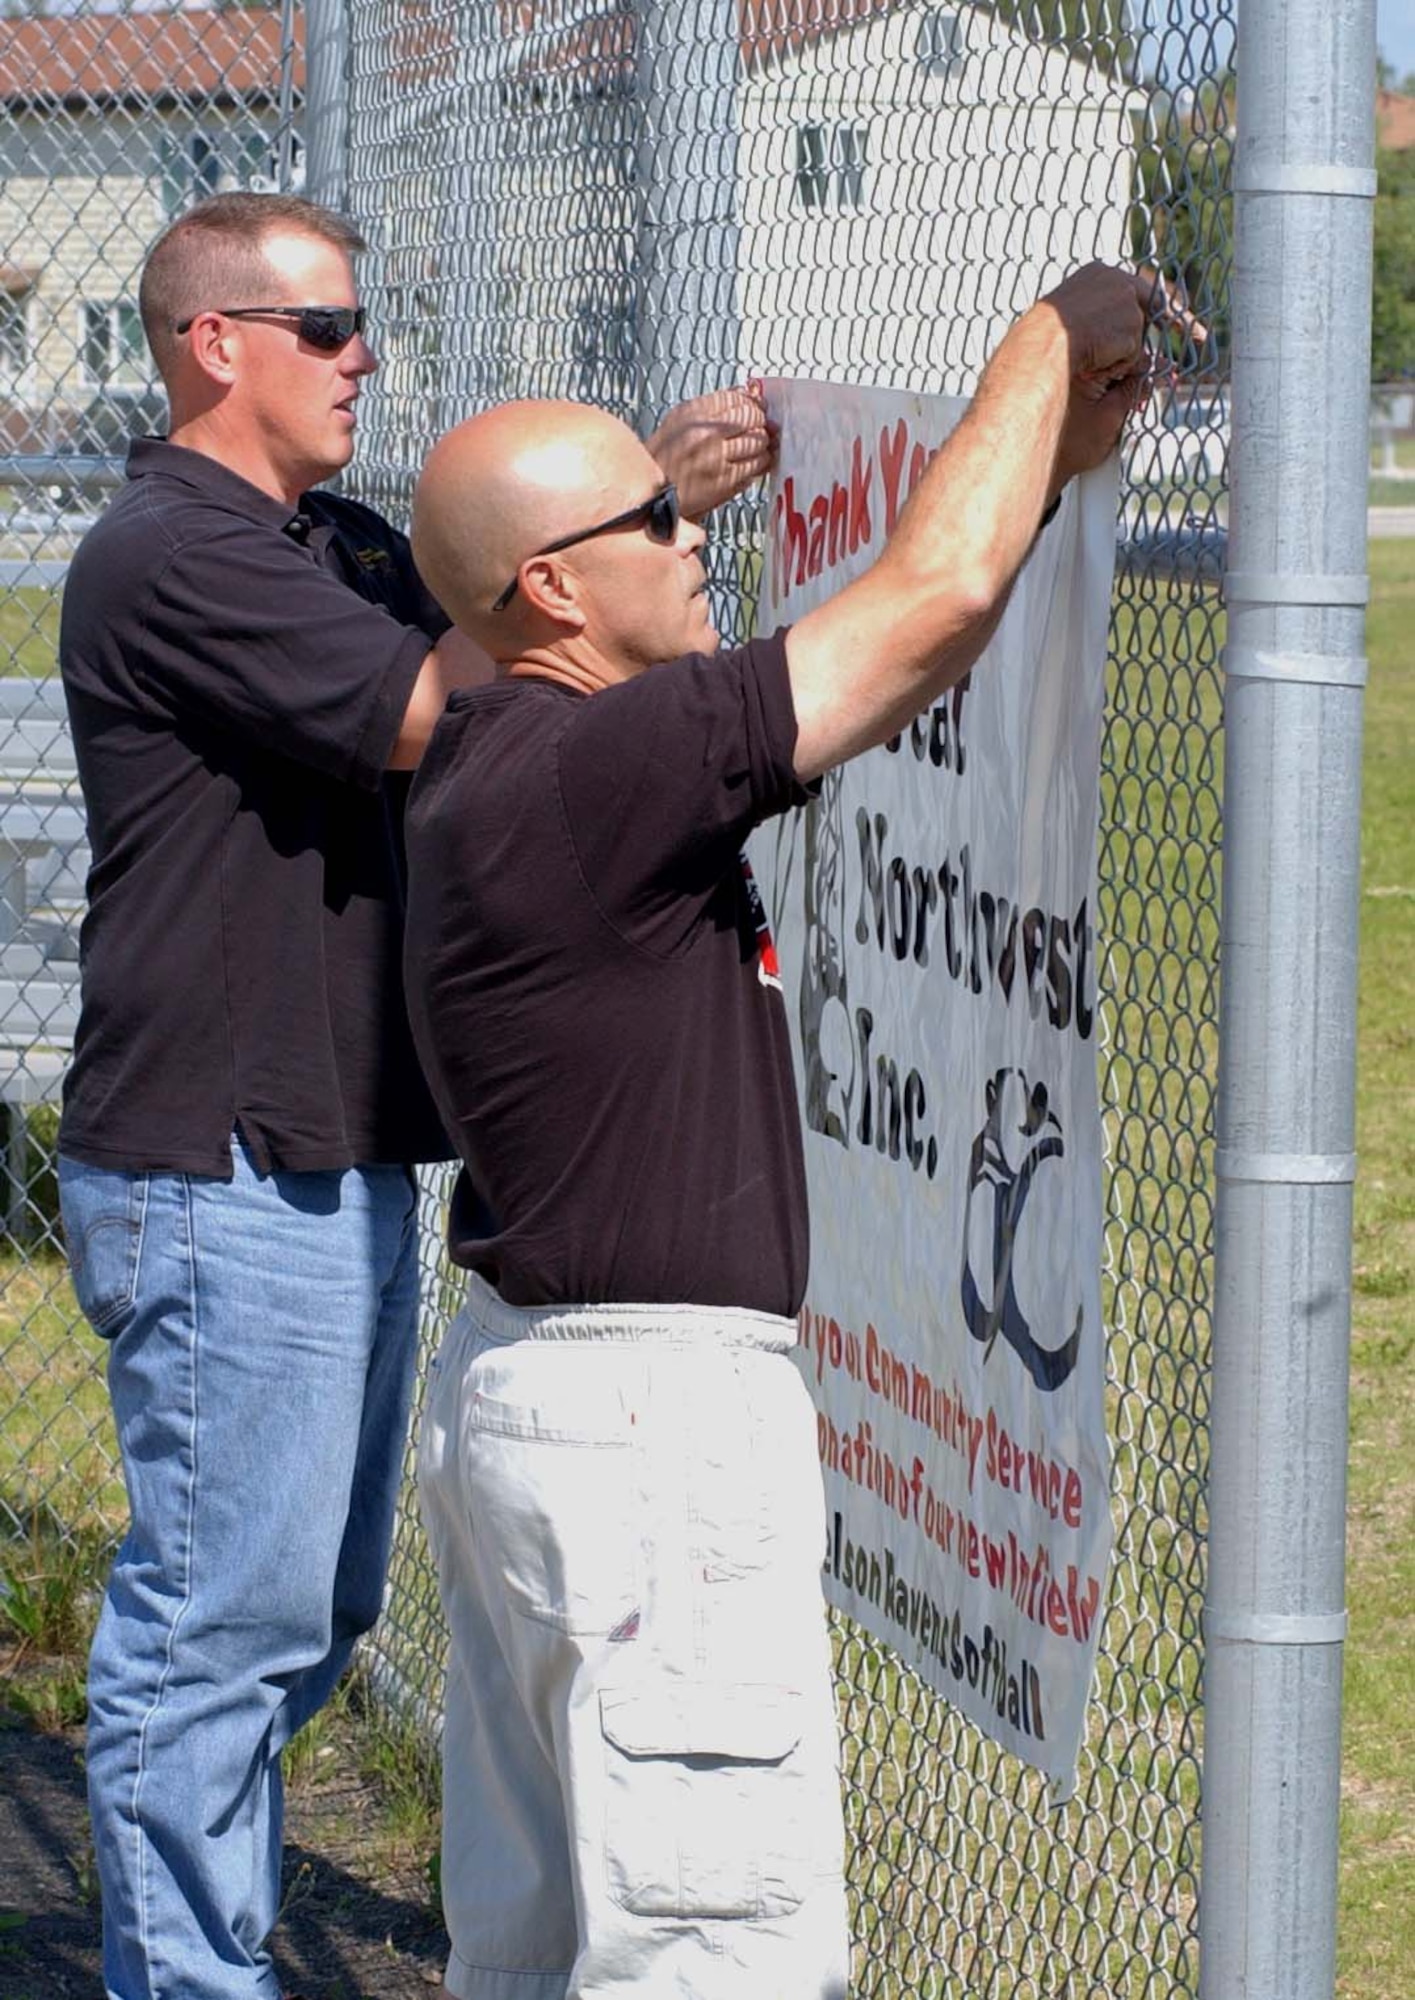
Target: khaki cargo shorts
x,y
640,1753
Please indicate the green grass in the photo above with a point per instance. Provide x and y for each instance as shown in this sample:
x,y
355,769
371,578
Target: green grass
x,y
386,1791
51,1583
1404,455
57,1451
29,631
1377,1924
1391,493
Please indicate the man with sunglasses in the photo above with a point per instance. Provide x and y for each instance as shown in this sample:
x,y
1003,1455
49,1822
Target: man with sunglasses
x,y
618,1461
252,668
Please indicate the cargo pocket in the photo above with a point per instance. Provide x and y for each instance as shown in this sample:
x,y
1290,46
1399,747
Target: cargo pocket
x,y
556,1513
707,1800
102,1212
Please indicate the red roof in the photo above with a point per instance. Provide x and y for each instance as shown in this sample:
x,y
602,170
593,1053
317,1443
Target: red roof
x,y
768,28
231,54
594,41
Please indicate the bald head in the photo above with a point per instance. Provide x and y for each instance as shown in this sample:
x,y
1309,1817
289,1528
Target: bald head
x,y
502,485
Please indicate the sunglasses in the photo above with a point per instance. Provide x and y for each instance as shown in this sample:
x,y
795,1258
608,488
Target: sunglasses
x,y
657,516
329,327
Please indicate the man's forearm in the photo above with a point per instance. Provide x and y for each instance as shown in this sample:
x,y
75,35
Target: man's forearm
x,y
975,513
1051,403
927,608
454,662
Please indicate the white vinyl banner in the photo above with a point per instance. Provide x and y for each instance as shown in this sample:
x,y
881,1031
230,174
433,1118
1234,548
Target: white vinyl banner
x,y
934,914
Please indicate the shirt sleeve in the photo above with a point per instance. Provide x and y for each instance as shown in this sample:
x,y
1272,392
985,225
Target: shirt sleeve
x,y
663,777
363,533
246,631
421,608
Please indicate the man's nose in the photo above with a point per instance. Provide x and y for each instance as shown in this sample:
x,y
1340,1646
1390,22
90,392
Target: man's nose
x,y
363,357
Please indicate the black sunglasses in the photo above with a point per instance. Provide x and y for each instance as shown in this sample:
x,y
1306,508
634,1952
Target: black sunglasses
x,y
329,327
657,516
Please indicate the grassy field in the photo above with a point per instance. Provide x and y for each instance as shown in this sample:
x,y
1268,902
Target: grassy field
x,y
1377,1934
1391,492
29,631
51,1464
1404,454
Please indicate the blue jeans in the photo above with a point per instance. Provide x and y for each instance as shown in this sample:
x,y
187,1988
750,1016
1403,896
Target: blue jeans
x,y
263,1335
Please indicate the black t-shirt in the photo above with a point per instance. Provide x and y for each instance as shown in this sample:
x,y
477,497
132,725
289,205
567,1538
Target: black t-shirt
x,y
596,1008
237,674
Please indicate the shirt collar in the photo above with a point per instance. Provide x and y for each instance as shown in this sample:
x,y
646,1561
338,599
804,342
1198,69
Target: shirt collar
x,y
214,481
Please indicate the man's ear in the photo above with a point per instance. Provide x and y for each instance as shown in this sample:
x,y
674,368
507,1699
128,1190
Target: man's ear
x,y
553,591
215,347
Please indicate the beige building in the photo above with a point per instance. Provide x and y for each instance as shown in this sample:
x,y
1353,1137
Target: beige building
x,y
863,190
110,125
911,177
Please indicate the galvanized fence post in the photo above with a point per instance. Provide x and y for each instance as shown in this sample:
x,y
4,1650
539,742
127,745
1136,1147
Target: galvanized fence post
x,y
686,321
286,134
1296,592
326,111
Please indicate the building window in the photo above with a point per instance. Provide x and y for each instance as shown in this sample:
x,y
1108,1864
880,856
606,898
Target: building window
x,y
812,174
830,165
850,164
256,164
941,45
409,323
191,170
14,334
113,347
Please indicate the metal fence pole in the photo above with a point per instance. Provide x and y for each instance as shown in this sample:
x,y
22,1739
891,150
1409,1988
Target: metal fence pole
x,y
686,315
687,322
326,102
1296,592
285,127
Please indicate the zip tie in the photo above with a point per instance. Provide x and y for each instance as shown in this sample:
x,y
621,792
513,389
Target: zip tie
x,y
1231,1163
1259,1628
1251,586
1319,177
1256,663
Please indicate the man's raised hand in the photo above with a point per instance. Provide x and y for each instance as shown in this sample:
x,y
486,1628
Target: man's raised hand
x,y
714,446
1105,313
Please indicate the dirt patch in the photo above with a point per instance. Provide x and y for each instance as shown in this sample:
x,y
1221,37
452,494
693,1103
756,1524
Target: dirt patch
x,y
347,1931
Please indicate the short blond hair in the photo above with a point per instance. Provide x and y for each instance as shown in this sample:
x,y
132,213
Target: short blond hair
x,y
214,256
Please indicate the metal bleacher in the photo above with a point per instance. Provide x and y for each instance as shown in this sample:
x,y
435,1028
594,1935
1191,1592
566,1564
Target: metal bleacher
x,y
43,859
43,840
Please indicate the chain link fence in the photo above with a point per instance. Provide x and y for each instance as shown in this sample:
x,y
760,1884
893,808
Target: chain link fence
x,y
110,125
634,204
630,204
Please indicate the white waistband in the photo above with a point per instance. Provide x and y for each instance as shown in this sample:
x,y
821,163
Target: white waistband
x,y
731,1326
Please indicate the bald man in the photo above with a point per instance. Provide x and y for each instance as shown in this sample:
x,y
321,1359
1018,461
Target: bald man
x,y
250,665
618,1463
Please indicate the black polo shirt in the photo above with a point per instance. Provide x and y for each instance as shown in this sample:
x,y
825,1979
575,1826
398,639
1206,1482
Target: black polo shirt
x,y
237,674
594,990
